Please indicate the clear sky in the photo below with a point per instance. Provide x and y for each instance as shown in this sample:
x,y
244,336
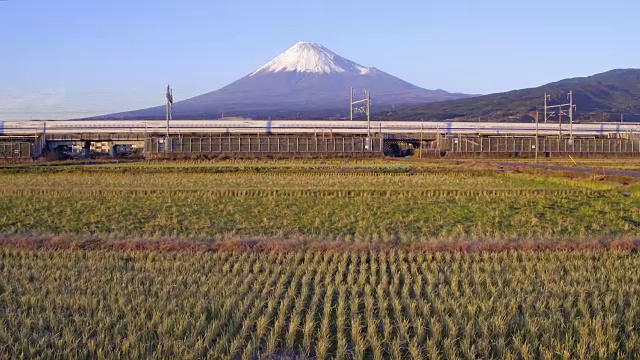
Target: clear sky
x,y
71,58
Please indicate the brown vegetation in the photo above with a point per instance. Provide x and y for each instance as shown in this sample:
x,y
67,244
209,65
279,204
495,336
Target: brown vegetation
x,y
268,245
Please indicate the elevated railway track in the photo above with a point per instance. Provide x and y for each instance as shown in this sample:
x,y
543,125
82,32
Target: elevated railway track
x,y
312,137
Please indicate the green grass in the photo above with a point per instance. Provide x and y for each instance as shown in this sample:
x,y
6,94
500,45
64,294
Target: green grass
x,y
319,304
380,205
372,218
380,180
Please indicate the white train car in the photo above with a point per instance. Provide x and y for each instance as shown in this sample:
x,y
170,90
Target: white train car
x,y
30,127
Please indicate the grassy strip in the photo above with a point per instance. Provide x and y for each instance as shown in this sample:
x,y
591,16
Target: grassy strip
x,y
471,180
370,206
370,217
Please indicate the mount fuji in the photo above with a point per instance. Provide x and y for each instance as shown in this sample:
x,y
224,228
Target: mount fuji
x,y
306,81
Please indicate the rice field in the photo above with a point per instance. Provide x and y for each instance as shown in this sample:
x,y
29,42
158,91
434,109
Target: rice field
x,y
316,259
393,304
351,204
344,216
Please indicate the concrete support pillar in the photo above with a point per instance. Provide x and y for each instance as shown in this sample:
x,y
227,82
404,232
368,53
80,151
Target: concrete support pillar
x,y
86,149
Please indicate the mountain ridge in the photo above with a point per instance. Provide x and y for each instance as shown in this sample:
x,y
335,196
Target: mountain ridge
x,y
613,92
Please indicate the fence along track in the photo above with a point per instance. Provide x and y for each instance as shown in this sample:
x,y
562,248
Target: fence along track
x,y
444,193
269,144
15,150
529,145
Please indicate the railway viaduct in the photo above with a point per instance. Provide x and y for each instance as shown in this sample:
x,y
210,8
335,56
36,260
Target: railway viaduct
x,y
192,138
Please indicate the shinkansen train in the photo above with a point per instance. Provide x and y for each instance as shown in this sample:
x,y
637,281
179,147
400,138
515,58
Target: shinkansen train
x,y
31,127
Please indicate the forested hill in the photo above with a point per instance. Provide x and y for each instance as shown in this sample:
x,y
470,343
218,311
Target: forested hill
x,y
601,97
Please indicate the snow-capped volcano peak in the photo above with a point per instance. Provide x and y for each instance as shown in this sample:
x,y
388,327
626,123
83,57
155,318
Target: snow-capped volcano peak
x,y
309,57
307,80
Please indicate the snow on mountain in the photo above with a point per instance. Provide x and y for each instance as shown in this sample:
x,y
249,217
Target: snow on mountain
x,y
306,81
309,57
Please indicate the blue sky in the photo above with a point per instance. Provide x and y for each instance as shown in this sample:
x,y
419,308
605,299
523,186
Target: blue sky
x,y
71,58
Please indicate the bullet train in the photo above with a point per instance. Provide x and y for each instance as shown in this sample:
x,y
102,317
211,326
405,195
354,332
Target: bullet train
x,y
32,127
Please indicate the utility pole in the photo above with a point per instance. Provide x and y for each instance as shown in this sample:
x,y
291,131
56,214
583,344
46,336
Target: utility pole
x,y
560,113
351,105
537,130
43,144
571,117
368,96
363,109
422,131
545,107
562,110
169,96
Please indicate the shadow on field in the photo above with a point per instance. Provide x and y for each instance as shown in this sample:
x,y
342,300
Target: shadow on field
x,y
280,245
